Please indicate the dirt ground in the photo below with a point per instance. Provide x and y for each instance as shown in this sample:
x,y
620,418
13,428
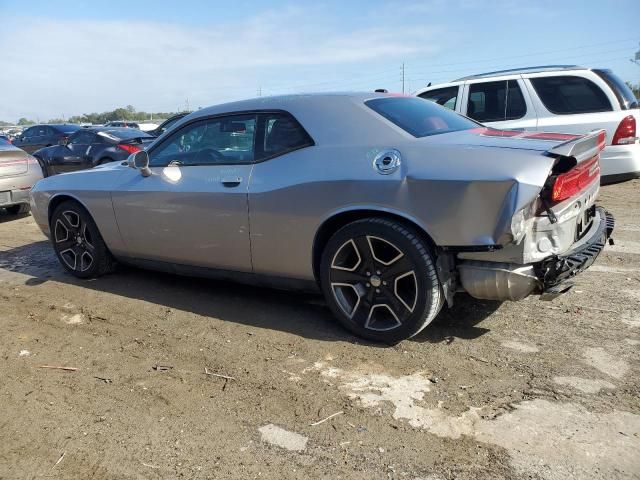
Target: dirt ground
x,y
528,390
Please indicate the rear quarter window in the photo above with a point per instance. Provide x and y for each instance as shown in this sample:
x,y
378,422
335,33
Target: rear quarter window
x,y
568,94
447,97
419,117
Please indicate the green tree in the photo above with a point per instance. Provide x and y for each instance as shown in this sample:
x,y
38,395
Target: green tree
x,y
24,121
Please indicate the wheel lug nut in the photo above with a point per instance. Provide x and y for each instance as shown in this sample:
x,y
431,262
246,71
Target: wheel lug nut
x,y
377,290
368,285
368,274
377,272
384,283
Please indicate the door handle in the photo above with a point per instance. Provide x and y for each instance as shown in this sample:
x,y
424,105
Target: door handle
x,y
231,181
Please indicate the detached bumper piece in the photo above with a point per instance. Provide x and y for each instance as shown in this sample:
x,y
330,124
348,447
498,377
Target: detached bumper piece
x,y
558,270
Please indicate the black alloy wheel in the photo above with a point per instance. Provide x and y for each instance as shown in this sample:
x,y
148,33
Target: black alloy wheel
x,y
78,243
380,280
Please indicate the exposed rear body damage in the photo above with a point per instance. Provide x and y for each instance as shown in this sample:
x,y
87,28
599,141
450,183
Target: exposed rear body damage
x,y
558,235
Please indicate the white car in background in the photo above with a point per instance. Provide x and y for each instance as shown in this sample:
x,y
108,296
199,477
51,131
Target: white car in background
x,y
564,99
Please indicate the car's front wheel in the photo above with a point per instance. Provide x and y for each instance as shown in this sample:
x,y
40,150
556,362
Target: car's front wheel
x,y
379,279
78,243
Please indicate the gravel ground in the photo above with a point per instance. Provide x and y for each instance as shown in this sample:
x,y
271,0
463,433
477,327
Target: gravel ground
x,y
528,390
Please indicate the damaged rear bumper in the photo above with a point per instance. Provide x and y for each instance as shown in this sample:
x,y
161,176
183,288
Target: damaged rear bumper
x,y
550,277
559,269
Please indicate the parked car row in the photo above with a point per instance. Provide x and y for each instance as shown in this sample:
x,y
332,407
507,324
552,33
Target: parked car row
x,y
565,99
390,204
89,147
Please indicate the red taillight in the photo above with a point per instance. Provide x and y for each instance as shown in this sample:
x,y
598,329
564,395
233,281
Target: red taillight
x,y
129,148
602,140
575,180
626,131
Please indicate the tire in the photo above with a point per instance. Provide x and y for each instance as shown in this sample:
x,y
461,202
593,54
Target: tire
x,y
380,281
19,209
45,172
78,243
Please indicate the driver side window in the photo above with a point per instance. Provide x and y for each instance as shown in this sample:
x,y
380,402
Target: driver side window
x,y
216,141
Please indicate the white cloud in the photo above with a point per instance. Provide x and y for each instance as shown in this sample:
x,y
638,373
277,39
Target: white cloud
x,y
54,67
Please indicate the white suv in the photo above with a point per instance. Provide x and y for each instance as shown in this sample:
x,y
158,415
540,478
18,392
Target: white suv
x,y
564,99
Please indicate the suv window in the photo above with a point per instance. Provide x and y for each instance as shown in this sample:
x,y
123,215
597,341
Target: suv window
x,y
281,133
215,141
419,117
570,94
447,97
620,89
496,101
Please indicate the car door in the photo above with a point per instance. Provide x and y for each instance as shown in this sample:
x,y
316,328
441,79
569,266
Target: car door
x,y
39,139
501,104
192,210
73,155
28,141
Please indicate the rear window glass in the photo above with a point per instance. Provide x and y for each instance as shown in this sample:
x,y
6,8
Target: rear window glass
x,y
419,117
447,97
125,133
621,90
569,94
496,101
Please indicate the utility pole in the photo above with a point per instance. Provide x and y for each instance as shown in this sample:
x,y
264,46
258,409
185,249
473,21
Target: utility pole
x,y
187,105
259,91
402,77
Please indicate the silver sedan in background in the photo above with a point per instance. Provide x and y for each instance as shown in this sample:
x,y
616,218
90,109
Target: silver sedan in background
x,y
389,205
19,171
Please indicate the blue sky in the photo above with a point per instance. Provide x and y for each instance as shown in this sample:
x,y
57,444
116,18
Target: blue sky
x,y
70,57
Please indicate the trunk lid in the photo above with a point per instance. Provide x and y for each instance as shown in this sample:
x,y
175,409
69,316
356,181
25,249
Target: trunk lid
x,y
495,138
13,161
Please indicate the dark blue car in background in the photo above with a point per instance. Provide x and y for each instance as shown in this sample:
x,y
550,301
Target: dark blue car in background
x,y
39,136
89,147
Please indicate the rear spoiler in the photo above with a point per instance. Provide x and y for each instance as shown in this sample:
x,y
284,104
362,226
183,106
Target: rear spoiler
x,y
582,148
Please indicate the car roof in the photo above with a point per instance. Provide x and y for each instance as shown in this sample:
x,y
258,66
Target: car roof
x,y
519,71
284,102
57,125
503,73
116,130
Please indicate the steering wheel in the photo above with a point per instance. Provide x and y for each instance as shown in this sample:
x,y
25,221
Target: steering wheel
x,y
208,155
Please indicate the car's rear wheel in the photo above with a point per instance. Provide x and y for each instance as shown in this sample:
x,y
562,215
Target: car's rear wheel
x,y
18,209
379,279
78,243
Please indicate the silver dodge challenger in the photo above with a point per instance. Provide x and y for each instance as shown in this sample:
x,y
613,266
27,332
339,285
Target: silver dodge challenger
x,y
390,205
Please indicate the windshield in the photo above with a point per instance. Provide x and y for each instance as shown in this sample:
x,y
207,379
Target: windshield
x,y
419,117
622,92
126,133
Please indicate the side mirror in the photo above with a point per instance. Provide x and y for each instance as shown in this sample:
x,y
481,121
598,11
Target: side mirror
x,y
140,161
63,142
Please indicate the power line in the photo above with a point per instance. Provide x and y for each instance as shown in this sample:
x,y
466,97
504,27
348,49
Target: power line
x,y
383,72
